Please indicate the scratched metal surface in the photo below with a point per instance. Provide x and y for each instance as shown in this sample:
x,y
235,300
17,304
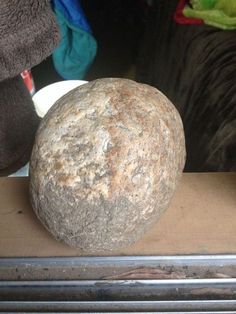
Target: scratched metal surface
x,y
178,284
119,267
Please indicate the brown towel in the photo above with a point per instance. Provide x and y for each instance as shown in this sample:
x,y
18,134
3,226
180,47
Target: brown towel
x,y
18,124
28,34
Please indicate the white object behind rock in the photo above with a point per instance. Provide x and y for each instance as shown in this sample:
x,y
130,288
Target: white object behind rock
x,y
48,95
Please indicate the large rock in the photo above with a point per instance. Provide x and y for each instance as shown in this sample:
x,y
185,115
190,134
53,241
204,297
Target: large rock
x,y
105,164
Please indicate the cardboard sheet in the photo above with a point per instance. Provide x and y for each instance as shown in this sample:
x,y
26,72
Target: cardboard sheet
x,y
200,220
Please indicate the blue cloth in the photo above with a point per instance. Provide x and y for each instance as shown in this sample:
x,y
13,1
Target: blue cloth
x,y
77,48
73,13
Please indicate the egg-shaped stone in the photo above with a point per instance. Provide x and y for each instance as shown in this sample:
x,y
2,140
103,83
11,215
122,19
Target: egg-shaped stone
x,y
105,164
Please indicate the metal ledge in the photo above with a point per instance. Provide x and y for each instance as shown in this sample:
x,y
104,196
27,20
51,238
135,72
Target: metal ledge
x,y
126,306
120,267
118,290
168,284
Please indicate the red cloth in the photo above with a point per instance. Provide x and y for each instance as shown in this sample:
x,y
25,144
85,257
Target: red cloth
x,y
28,80
180,18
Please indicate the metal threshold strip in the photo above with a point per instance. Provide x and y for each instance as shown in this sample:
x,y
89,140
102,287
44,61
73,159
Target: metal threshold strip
x,y
122,284
122,290
119,267
125,306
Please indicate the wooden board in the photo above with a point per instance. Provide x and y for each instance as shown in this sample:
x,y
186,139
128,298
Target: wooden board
x,y
200,220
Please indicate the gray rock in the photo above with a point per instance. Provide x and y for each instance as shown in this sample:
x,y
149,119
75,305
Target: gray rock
x,y
105,164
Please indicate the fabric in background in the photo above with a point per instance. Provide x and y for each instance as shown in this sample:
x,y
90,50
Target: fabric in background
x,y
19,122
217,13
181,19
28,34
194,66
78,47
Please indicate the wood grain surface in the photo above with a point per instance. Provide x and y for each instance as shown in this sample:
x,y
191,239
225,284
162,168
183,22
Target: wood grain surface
x,y
200,220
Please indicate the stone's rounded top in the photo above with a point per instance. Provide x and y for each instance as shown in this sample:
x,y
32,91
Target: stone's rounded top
x,y
106,161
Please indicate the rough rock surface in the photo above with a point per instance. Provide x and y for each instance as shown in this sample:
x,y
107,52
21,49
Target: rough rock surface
x,y
106,162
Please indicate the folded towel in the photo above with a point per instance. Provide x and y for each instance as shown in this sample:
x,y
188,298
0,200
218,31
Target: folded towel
x,y
18,124
28,34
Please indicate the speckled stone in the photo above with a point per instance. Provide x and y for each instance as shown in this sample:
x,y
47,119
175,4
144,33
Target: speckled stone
x,y
105,164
